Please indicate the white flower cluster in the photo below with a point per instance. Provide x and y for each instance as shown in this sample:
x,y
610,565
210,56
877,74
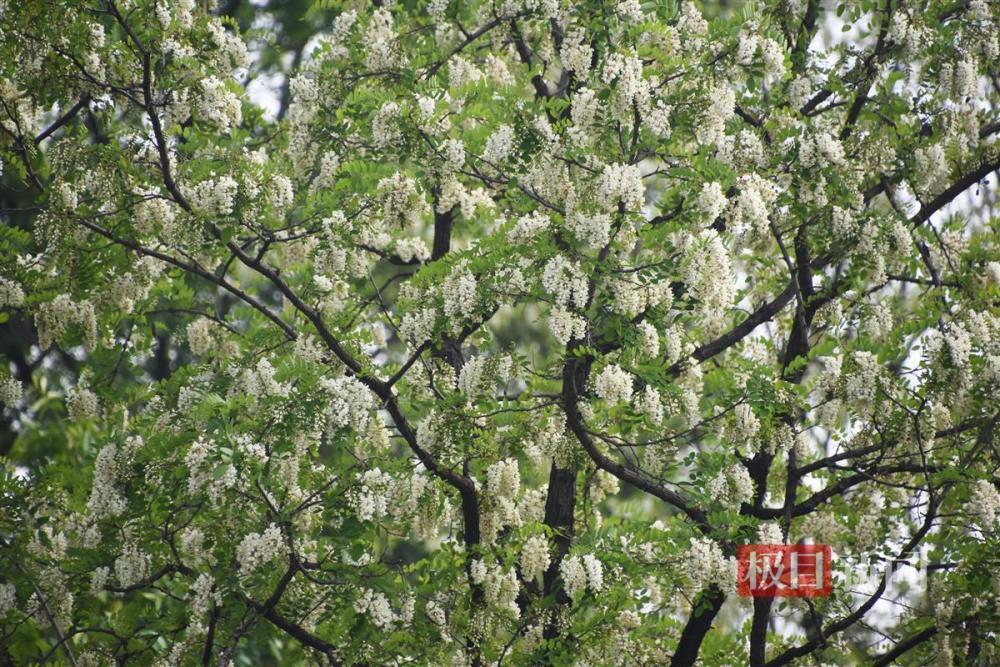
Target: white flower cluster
x,y
215,195
565,281
621,183
821,149
260,382
10,391
198,473
327,175
708,273
580,573
193,546
629,11
576,54
8,598
770,533
753,204
417,326
959,344
721,108
585,114
131,566
217,104
705,564
200,338
499,145
614,384
632,297
351,402
402,202
498,71
528,226
592,229
731,487
459,291
462,72
157,217
65,197
746,426
99,579
82,402
632,92
204,597
650,404
413,248
437,615
234,56
862,383
566,325
503,485
385,126
105,499
673,344
711,201
371,497
503,479
501,588
535,558
11,294
258,549
649,339
280,194
868,531
480,373
985,503
376,605
381,45
55,317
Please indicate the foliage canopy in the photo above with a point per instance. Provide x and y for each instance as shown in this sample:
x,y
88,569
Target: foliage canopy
x,y
502,336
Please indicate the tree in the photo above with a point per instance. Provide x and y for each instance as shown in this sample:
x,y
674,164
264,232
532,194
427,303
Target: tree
x,y
518,321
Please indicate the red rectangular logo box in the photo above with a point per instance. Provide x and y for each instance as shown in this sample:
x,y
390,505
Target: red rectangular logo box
x,y
784,570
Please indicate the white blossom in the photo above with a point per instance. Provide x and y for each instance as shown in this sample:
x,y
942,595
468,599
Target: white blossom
x,y
566,326
381,44
985,503
580,573
711,201
258,549
376,605
576,54
214,195
351,402
371,497
731,487
131,566
621,183
535,558
10,391
705,564
11,294
54,318
564,280
499,145
105,498
614,384
649,339
385,126
649,404
503,479
528,226
216,103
